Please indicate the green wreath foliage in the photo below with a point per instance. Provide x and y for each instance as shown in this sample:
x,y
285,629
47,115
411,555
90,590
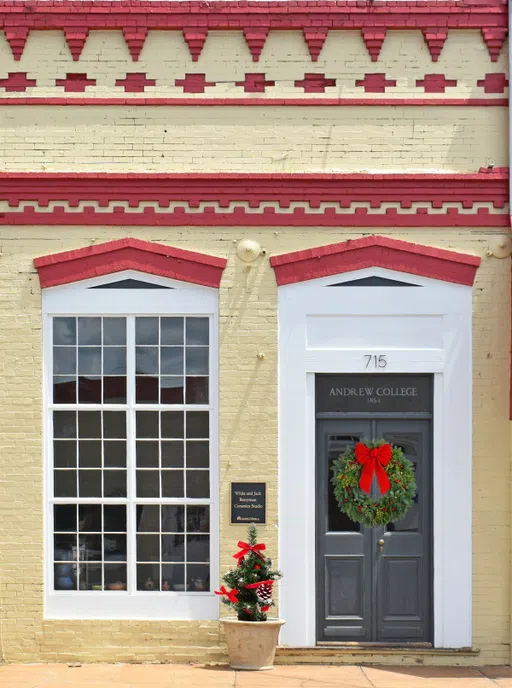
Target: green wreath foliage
x,y
362,507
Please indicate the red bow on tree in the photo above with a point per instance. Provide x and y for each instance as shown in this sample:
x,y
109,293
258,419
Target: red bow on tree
x,y
230,594
246,548
373,461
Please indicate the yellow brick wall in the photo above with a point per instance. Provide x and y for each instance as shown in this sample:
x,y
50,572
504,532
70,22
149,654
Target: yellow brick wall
x,y
248,437
243,139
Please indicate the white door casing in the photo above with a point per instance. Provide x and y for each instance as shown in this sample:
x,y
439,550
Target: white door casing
x,y
326,329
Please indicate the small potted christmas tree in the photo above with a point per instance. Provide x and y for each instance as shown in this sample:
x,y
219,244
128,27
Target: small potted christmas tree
x,y
252,636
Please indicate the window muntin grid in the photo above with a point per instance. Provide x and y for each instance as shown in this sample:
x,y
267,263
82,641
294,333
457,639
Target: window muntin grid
x,y
169,448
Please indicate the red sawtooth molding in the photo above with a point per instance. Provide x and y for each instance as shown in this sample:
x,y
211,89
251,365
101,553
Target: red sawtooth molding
x,y
314,83
16,82
375,83
375,251
135,82
435,39
75,38
75,83
256,200
255,20
129,254
493,83
255,83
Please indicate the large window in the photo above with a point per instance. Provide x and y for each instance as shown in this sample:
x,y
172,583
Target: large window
x,y
130,418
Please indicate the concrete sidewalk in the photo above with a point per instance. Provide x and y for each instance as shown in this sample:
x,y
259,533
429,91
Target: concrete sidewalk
x,y
310,676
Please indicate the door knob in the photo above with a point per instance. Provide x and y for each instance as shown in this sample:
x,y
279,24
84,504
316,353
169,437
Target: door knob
x,y
381,544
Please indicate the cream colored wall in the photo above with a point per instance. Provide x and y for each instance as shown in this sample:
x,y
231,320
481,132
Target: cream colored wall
x,y
248,438
245,139
226,59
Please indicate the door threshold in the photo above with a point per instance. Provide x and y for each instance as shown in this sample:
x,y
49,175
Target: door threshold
x,y
354,645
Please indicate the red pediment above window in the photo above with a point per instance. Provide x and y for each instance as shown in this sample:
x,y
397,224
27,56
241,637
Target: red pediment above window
x,y
129,254
375,251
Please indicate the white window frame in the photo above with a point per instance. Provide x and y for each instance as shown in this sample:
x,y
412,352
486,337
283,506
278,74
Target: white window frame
x,y
451,366
181,300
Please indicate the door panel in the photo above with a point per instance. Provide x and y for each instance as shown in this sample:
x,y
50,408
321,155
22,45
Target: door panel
x,y
366,592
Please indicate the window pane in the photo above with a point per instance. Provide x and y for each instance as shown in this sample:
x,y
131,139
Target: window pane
x,y
114,548
146,330
147,454
64,577
114,390
115,577
64,331
198,548
89,518
172,423
171,390
148,518
114,331
198,577
114,484
172,454
90,577
173,577
114,361
172,331
197,390
114,424
64,483
114,454
115,519
198,424
64,453
89,483
90,547
198,519
89,331
146,360
89,454
89,390
89,360
148,577
198,484
64,390
148,548
64,360
197,360
198,454
64,547
173,519
173,548
146,389
197,331
147,424
89,424
171,360
148,484
64,424
172,484
64,517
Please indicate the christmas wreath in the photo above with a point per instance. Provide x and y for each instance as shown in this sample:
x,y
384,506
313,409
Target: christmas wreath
x,y
251,582
353,475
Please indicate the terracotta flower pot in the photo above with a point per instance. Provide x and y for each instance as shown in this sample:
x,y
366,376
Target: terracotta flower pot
x,y
252,644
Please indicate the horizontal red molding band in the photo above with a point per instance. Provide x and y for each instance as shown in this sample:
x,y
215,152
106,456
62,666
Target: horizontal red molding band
x,y
243,219
334,14
218,191
257,102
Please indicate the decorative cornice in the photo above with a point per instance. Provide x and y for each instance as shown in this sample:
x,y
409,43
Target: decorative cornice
x,y
255,19
295,200
257,102
375,251
129,254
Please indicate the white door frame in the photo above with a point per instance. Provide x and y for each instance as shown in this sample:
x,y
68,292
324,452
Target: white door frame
x,y
308,344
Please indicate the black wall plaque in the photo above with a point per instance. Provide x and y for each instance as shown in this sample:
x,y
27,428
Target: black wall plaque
x,y
361,393
248,502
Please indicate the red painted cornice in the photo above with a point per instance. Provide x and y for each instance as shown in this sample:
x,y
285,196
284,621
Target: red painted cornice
x,y
333,14
434,18
332,200
129,254
375,251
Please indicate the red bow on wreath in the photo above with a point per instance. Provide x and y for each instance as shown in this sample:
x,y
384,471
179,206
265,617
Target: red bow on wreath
x,y
373,461
246,548
230,594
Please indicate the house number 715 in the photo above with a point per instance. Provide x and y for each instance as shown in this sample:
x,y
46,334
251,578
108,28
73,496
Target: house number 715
x,y
375,361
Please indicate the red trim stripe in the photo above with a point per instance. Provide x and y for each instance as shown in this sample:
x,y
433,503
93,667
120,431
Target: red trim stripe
x,y
259,102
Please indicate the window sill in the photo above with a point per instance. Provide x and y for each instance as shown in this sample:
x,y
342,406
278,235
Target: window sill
x,y
142,605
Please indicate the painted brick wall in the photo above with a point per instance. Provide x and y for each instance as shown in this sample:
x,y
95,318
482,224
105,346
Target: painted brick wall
x,y
248,440
244,139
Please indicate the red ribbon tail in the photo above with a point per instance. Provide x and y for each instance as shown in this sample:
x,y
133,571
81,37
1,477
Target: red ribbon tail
x,y
365,481
382,479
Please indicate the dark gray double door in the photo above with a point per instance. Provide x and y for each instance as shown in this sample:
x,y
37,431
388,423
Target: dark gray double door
x,y
374,584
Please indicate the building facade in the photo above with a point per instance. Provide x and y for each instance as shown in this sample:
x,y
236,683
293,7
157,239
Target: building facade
x,y
237,237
